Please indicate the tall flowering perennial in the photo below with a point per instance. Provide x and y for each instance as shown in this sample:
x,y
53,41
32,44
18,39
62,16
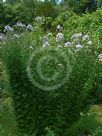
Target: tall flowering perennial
x,y
18,29
79,38
71,49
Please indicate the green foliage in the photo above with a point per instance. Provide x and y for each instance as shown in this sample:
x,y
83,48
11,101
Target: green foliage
x,y
81,6
11,14
49,132
87,125
59,109
7,121
46,9
25,11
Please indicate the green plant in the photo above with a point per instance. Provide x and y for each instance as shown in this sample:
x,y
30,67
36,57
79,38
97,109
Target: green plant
x,y
49,132
38,106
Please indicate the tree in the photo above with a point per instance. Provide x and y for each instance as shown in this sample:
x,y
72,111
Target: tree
x,y
99,3
46,9
81,6
29,7
87,5
13,1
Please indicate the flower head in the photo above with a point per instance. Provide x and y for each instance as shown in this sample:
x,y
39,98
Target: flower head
x,y
19,24
59,46
30,27
89,43
78,46
46,44
67,44
49,34
100,57
8,29
31,47
45,39
59,37
76,36
85,37
38,19
59,28
16,35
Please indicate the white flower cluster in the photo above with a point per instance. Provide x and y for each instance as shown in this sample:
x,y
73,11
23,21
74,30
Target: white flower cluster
x,y
59,37
67,44
89,42
100,57
30,27
46,40
78,47
23,26
49,35
85,38
46,44
16,35
30,47
19,24
59,46
76,36
59,28
38,19
8,29
80,38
